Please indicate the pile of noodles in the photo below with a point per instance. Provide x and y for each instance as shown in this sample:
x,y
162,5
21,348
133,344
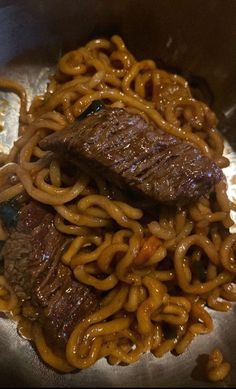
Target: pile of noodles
x,y
157,276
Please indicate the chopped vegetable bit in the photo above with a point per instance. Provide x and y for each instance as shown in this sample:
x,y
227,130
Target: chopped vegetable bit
x,y
148,248
8,214
95,106
169,331
198,270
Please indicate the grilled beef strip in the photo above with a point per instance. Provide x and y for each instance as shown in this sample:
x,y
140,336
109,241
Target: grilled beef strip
x,y
33,268
129,152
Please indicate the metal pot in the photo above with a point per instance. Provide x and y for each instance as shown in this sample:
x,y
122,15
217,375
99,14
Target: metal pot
x,y
194,38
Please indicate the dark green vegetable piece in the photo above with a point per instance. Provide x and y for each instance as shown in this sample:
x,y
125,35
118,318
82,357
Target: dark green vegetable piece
x,y
198,270
95,106
169,331
1,256
8,214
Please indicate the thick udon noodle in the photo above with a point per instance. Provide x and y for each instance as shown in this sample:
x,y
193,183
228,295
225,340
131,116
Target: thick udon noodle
x,y
157,277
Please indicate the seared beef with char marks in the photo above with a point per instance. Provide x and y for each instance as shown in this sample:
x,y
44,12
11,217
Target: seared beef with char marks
x,y
34,270
128,151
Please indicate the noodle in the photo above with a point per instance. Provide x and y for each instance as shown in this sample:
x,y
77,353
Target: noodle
x,y
217,369
163,272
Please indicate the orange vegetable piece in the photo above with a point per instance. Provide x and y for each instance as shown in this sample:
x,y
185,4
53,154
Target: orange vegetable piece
x,y
148,248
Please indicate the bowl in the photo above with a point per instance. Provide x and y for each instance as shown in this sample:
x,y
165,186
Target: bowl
x,y
193,38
